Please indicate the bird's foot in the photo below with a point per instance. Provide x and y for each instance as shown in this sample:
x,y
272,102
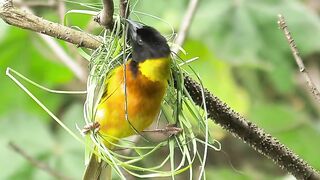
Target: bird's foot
x,y
93,127
169,130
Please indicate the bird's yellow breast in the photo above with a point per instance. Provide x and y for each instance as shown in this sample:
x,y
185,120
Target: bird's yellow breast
x,y
145,91
156,69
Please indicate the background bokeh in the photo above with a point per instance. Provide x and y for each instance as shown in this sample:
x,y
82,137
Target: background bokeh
x,y
244,59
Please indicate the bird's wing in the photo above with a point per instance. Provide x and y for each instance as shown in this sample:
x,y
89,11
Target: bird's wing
x,y
108,90
97,170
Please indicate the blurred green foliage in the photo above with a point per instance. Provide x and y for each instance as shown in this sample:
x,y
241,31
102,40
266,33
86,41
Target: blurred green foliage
x,y
243,58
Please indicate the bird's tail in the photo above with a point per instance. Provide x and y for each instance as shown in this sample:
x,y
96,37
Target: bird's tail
x,y
97,170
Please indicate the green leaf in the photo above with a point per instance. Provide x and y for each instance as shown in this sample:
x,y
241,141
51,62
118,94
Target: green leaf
x,y
166,13
275,117
239,31
246,32
70,158
216,76
37,66
75,15
3,29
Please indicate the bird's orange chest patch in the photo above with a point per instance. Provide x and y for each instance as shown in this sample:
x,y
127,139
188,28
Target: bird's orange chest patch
x,y
144,98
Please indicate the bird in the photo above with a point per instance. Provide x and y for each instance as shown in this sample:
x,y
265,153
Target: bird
x,y
146,80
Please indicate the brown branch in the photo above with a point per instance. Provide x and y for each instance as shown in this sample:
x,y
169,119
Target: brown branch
x,y
45,167
25,20
124,8
250,133
49,3
314,5
61,8
283,25
185,24
222,115
62,55
76,68
105,18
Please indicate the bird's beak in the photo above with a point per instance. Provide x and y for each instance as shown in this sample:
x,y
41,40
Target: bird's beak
x,y
133,27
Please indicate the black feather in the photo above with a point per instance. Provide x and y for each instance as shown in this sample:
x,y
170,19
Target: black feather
x,y
149,44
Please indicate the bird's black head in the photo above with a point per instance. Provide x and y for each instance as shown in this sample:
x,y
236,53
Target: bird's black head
x,y
147,42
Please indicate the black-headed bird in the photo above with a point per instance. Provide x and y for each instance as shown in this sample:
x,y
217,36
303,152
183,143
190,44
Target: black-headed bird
x,y
147,74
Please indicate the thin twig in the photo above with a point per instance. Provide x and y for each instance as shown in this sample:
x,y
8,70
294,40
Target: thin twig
x,y
105,18
124,8
49,3
219,112
182,34
77,58
169,130
43,166
314,5
76,68
185,24
61,8
284,27
65,58
25,20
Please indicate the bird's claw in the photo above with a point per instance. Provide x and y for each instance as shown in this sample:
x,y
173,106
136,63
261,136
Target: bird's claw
x,y
169,130
93,127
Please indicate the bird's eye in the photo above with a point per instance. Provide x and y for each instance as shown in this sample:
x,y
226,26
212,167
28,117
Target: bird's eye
x,y
140,42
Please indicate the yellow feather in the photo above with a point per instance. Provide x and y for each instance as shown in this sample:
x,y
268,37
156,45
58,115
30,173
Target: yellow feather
x,y
156,69
145,92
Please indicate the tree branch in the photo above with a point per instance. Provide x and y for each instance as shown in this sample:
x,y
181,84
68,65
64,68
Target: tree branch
x,y
217,110
61,8
283,26
223,115
105,18
49,3
250,133
65,58
185,24
25,20
37,163
124,8
76,68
